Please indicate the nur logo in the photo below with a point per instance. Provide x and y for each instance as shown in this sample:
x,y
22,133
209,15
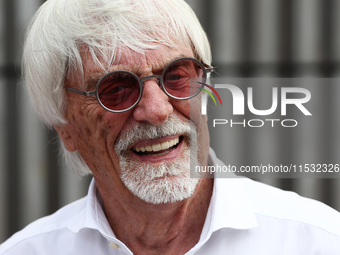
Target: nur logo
x,y
239,99
209,93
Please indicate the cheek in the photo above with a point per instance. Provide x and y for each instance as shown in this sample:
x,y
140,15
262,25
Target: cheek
x,y
189,108
192,110
195,111
93,144
88,131
92,132
201,122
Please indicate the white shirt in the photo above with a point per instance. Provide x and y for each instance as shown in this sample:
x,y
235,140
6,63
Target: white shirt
x,y
244,217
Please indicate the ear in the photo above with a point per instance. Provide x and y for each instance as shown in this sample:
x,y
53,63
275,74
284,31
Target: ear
x,y
66,138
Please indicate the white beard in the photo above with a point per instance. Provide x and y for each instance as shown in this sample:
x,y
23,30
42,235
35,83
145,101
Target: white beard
x,y
163,182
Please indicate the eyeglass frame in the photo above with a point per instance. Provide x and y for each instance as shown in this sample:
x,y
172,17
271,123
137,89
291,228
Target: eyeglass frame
x,y
160,83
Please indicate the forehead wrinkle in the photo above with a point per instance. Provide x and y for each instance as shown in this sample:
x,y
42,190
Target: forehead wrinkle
x,y
135,67
157,67
92,82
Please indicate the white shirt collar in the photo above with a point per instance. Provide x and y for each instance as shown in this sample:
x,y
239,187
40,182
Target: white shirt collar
x,y
229,206
93,217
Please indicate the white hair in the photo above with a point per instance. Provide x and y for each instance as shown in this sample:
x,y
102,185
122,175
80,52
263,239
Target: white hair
x,y
62,28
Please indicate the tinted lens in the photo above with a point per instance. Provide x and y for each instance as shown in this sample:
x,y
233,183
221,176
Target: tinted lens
x,y
181,78
119,90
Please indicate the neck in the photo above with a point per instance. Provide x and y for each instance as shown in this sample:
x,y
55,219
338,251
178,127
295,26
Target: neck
x,y
159,229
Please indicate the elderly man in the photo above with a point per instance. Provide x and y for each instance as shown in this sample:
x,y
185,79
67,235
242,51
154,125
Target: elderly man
x,y
116,79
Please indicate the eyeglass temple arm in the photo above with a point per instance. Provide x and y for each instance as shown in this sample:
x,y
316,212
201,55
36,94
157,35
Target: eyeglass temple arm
x,y
84,93
209,69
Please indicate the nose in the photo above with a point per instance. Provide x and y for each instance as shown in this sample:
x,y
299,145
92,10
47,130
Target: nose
x,y
154,106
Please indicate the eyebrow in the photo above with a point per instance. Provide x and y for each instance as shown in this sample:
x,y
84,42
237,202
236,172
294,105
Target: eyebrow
x,y
92,82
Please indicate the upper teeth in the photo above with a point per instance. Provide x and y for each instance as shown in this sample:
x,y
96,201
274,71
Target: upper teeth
x,y
158,146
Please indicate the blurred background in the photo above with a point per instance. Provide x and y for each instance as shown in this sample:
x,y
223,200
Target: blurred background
x,y
249,38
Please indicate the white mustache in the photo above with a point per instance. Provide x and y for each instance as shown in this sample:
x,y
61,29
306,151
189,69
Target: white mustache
x,y
145,131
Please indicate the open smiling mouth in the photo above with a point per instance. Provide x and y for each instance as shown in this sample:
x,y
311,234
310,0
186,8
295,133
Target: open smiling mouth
x,y
158,149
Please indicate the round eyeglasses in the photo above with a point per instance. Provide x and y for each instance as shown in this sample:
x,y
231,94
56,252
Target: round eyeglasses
x,y
120,91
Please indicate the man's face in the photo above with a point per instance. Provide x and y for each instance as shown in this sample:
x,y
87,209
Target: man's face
x,y
112,144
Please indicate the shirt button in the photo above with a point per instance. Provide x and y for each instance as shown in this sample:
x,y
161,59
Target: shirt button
x,y
114,246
